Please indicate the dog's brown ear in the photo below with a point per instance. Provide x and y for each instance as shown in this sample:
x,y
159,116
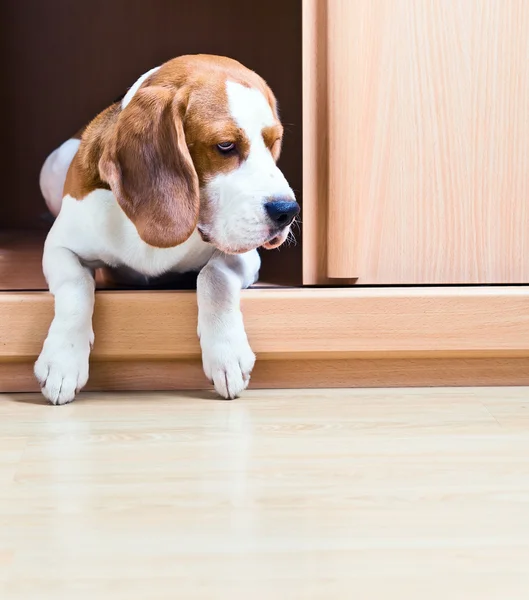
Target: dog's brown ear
x,y
148,167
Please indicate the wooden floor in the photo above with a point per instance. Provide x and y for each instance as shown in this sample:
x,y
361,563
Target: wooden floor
x,y
316,495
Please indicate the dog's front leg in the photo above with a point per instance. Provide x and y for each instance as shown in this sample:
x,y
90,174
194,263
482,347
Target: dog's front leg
x,y
226,355
62,367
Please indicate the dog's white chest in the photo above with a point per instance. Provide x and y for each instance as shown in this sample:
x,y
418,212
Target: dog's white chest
x,y
97,230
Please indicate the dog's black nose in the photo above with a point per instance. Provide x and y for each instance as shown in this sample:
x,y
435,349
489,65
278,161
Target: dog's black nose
x,y
282,212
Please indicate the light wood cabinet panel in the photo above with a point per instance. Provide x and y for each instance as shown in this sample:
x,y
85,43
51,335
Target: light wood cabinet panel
x,y
427,111
315,142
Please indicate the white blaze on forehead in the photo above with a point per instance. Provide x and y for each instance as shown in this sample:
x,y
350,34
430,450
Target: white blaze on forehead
x,y
238,197
129,95
249,109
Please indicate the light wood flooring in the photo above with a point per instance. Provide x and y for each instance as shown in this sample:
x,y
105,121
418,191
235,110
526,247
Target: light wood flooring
x,y
280,495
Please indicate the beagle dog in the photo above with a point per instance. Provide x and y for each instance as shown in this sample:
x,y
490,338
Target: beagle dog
x,y
179,176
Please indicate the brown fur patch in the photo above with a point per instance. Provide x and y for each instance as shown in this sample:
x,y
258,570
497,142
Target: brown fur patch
x,y
149,169
79,134
273,138
83,175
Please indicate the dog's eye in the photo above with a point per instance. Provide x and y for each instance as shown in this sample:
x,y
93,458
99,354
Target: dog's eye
x,y
226,147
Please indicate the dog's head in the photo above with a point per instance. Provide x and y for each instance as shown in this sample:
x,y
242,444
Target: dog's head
x,y
196,146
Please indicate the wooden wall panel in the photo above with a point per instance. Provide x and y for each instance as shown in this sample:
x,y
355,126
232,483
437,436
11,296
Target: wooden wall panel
x,y
428,104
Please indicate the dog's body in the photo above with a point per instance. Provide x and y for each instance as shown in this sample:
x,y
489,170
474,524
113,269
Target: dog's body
x,y
180,176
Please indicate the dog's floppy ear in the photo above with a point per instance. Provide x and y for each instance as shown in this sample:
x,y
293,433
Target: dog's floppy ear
x,y
147,164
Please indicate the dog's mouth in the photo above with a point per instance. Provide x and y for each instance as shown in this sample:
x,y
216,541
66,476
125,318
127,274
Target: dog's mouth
x,y
276,239
275,242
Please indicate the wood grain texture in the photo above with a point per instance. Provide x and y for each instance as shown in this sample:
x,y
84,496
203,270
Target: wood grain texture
x,y
309,323
167,375
327,495
316,146
428,129
315,142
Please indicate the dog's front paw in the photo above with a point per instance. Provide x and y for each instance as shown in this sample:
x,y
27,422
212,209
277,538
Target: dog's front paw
x,y
228,361
62,367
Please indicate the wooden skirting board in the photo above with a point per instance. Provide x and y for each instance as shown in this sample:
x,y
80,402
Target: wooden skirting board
x,y
163,375
303,337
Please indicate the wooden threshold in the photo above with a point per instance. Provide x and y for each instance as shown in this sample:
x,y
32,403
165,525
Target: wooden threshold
x,y
294,324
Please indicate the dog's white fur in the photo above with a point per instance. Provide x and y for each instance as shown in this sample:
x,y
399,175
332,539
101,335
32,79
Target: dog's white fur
x,y
53,174
238,195
95,231
136,86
